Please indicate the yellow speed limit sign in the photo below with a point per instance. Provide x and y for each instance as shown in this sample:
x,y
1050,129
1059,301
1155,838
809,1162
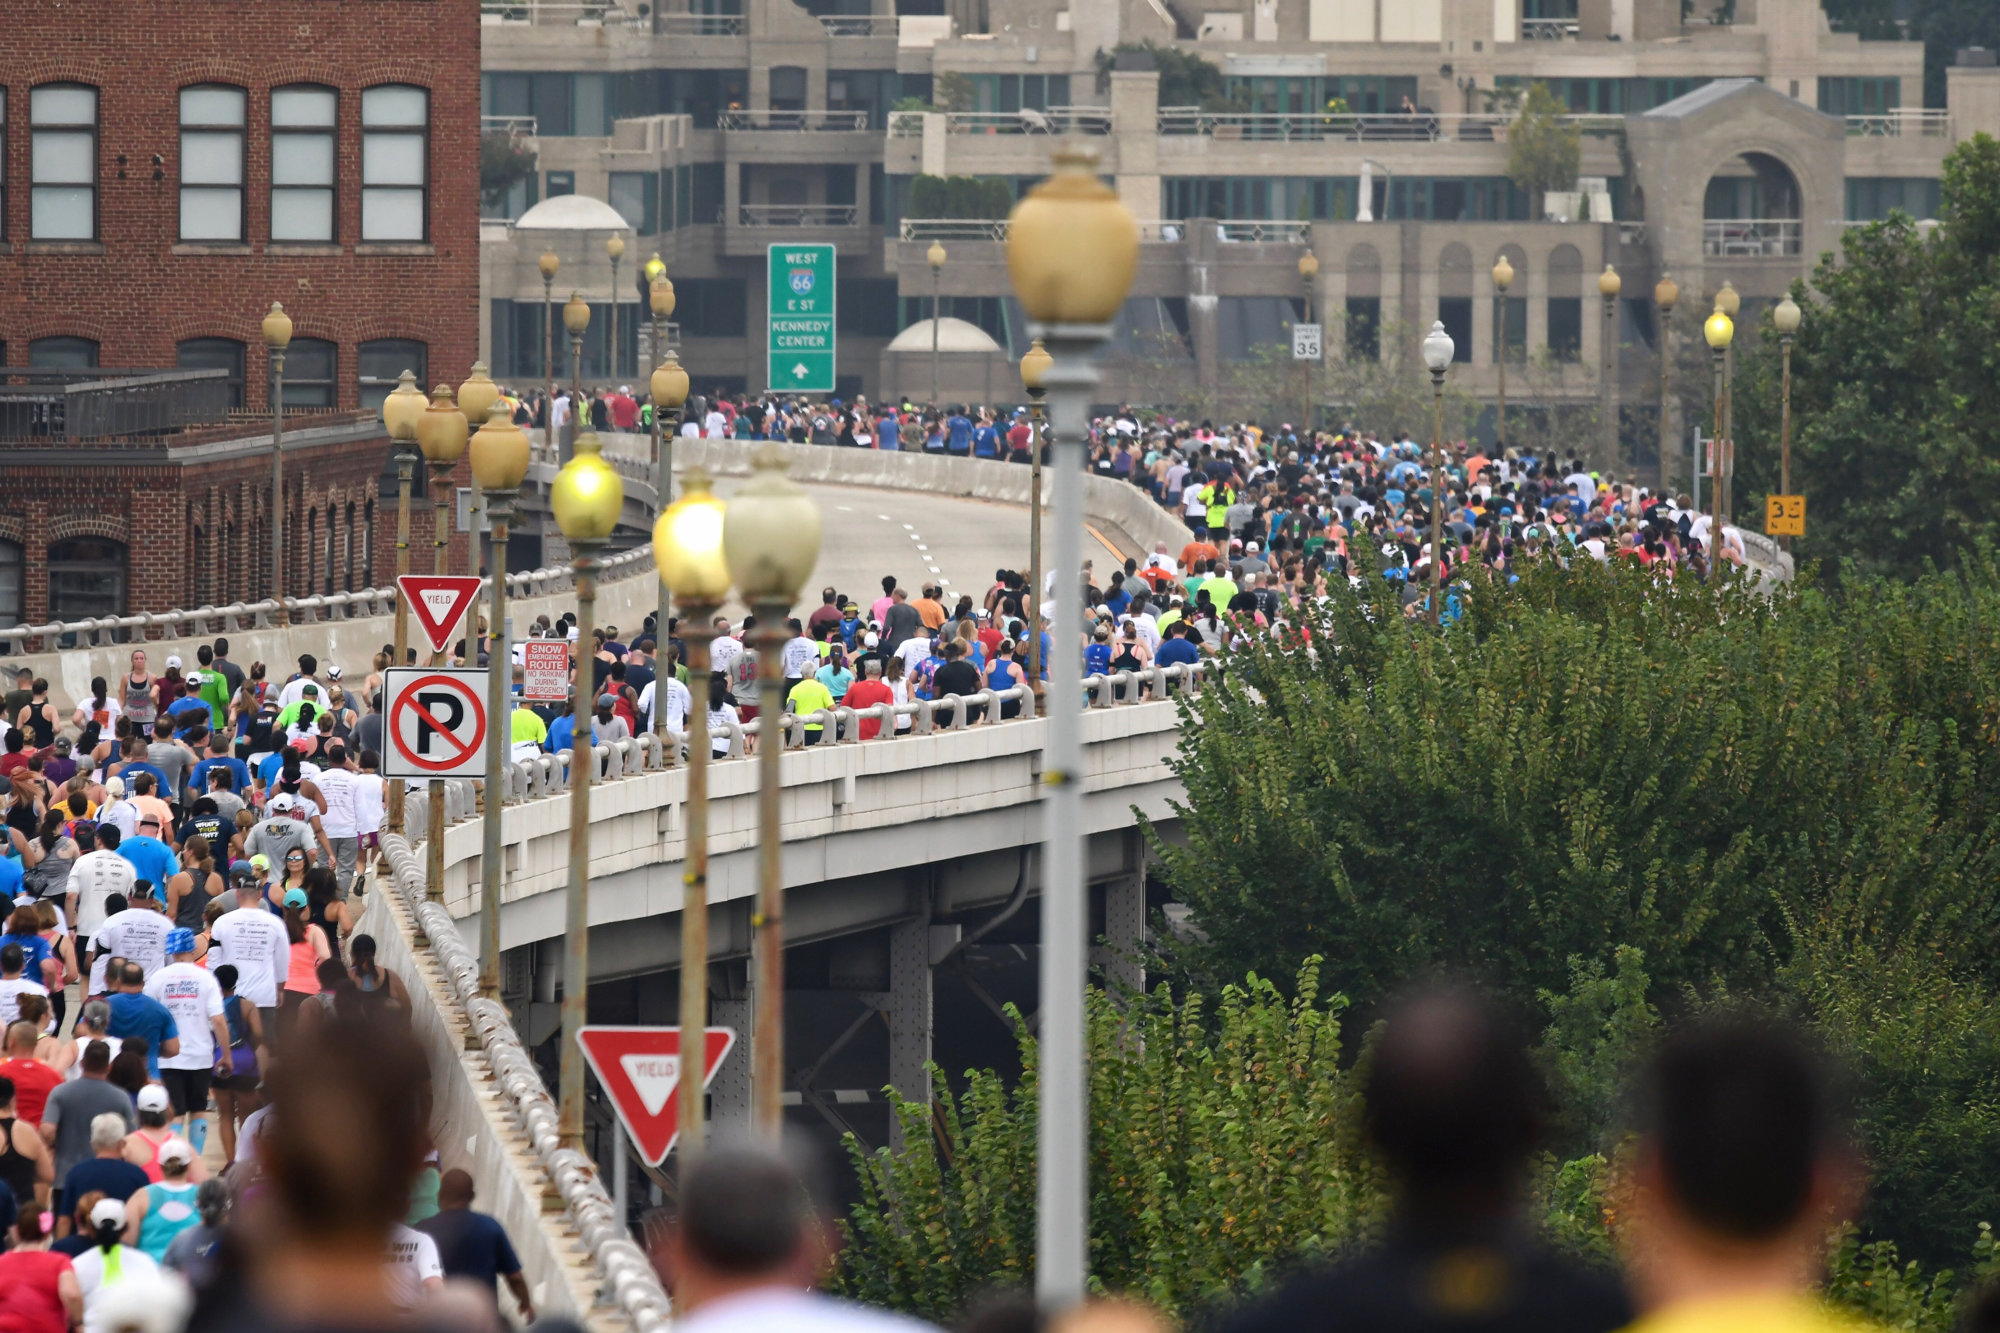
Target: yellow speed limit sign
x,y
1785,515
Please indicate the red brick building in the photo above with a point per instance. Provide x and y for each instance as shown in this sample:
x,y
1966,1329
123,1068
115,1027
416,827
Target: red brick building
x,y
166,174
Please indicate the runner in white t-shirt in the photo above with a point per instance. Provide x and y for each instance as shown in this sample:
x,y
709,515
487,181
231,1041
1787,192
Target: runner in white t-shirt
x,y
194,997
139,933
254,942
413,1266
96,876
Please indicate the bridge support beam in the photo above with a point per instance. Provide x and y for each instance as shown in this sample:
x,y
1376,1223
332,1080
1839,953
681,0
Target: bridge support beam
x,y
911,1024
1125,924
731,1005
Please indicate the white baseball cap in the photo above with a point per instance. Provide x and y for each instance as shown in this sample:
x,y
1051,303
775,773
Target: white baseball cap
x,y
108,1213
153,1097
279,804
177,1149
173,659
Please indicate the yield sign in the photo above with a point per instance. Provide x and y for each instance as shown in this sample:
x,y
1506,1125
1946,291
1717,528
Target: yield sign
x,y
640,1069
437,601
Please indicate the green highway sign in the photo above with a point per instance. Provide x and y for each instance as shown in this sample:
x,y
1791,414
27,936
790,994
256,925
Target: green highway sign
x,y
801,319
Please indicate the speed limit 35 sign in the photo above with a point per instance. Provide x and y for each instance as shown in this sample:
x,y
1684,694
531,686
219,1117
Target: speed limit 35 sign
x,y
436,723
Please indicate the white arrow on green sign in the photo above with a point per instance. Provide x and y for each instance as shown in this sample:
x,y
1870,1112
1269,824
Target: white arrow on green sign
x,y
801,318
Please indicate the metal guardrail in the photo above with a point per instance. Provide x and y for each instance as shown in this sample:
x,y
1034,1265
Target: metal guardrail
x,y
699,25
1347,127
521,125
69,406
1902,123
1282,233
1548,30
860,25
794,122
1752,238
798,215
1054,120
207,620
560,13
995,229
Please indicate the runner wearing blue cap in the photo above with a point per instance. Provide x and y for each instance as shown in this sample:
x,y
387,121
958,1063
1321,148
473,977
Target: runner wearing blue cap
x,y
192,995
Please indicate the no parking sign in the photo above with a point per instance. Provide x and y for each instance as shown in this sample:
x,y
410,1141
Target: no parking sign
x,y
436,723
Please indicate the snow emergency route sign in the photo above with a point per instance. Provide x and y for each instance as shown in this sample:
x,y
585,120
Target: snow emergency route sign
x,y
801,319
436,723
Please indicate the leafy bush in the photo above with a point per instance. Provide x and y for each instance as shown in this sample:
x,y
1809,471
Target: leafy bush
x,y
985,198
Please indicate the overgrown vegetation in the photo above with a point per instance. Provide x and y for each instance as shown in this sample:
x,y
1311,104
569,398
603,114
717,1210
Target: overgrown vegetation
x,y
981,197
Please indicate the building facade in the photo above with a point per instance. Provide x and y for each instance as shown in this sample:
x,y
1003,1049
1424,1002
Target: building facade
x,y
1373,133
164,177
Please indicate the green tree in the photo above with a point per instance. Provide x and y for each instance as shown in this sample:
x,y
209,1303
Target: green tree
x,y
1543,153
1896,408
1186,79
505,159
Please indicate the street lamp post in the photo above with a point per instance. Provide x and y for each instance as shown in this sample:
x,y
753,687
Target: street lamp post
x,y
576,319
1720,330
655,269
1785,318
936,257
1503,278
668,389
1666,295
770,539
441,435
1438,350
277,337
1072,249
499,462
1034,369
1729,303
614,247
586,497
1308,270
687,547
475,396
401,411
1608,286
549,264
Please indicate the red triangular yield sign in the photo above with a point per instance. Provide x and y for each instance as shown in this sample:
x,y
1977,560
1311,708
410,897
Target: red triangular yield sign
x,y
436,603
639,1069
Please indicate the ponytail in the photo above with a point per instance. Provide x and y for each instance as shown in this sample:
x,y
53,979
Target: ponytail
x,y
105,1235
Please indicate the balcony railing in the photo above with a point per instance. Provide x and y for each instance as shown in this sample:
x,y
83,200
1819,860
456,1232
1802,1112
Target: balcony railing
x,y
1751,238
982,229
699,25
1902,123
859,25
560,13
795,122
1256,233
1392,127
1547,30
67,406
1055,120
798,215
521,125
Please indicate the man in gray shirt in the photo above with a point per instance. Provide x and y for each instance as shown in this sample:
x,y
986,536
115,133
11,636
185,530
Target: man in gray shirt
x,y
279,833
171,758
71,1107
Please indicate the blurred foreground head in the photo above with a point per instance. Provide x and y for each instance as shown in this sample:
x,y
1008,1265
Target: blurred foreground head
x,y
1453,1103
746,1219
1744,1164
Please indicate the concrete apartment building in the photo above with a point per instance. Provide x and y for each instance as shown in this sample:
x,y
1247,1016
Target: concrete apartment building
x,y
1712,151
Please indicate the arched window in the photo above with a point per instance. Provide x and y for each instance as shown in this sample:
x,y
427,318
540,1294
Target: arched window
x,y
86,578
10,583
1364,303
225,354
1455,299
1566,303
309,372
1511,312
212,121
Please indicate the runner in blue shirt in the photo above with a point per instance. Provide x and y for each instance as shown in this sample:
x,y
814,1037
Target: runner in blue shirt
x,y
986,440
959,430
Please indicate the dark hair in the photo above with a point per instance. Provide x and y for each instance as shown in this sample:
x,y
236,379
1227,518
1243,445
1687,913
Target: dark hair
x,y
1740,1111
96,1057
361,951
225,976
742,1211
12,957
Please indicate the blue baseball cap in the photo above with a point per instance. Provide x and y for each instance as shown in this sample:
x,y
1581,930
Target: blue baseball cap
x,y
295,897
180,940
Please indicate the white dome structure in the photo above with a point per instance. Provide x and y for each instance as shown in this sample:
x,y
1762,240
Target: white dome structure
x,y
954,336
572,212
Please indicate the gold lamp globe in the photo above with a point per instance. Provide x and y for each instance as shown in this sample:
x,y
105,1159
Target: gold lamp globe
x,y
1667,294
656,268
404,405
499,451
477,393
770,533
1072,247
614,246
670,382
441,428
277,328
1720,330
1308,266
687,543
935,255
1786,316
1035,366
1727,301
661,294
1503,274
549,263
1609,284
587,494
575,315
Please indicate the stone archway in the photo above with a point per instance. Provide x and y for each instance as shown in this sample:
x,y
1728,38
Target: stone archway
x,y
1752,208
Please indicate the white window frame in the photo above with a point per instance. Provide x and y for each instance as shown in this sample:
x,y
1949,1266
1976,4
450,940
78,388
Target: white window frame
x,y
383,134
291,132
219,134
52,135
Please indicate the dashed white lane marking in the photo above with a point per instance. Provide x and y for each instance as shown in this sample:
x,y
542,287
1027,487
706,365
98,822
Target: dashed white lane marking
x,y
845,509
885,518
922,547
909,527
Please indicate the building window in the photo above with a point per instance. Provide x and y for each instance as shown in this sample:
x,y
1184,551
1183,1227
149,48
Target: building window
x,y
63,169
1872,198
10,583
3,167
395,163
63,353
559,183
1566,327
1364,328
86,578
381,364
225,354
212,163
1860,97
636,196
710,308
1511,328
302,164
1455,313
309,372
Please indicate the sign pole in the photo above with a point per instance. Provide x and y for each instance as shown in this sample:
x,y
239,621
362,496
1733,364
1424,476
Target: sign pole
x,y
434,825
500,513
582,768
621,1171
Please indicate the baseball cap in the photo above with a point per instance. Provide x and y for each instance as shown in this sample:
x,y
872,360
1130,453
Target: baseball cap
x,y
295,897
177,1149
173,659
153,1097
309,688
333,673
606,701
279,804
871,640
180,940
243,873
194,678
111,1212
